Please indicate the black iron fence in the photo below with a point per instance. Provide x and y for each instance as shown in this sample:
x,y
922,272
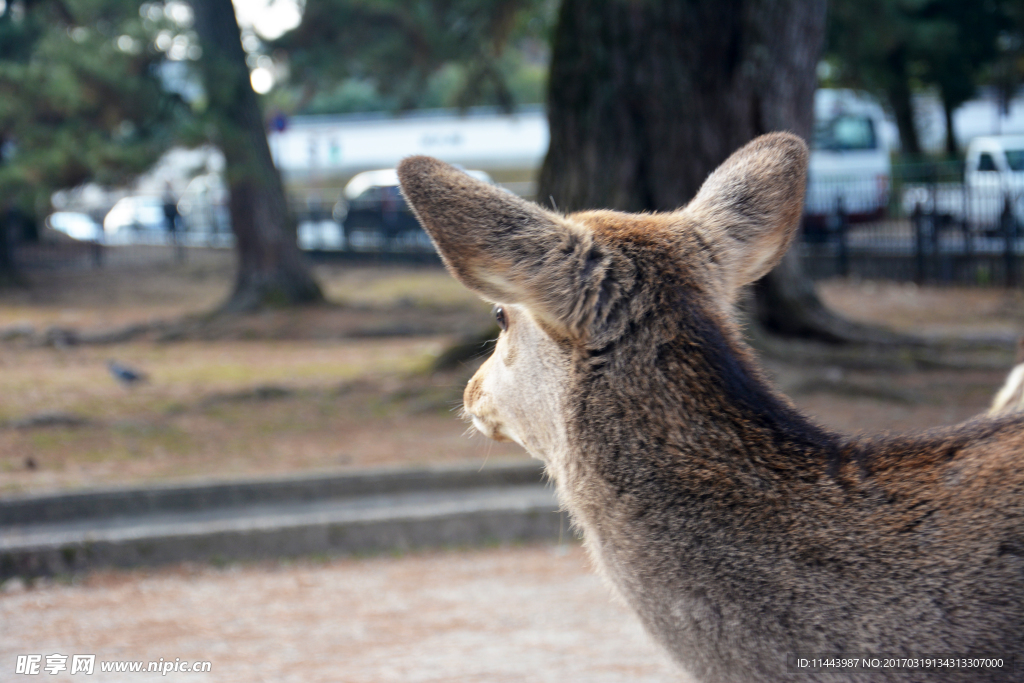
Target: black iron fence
x,y
932,226
923,224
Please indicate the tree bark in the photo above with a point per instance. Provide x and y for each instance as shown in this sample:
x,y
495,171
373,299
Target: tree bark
x,y
8,271
647,98
271,270
899,95
948,108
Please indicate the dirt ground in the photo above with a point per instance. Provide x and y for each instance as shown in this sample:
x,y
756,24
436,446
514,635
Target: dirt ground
x,y
347,385
310,390
535,613
965,312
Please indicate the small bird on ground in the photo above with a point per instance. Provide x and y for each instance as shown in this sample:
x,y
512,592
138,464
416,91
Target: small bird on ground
x,y
126,375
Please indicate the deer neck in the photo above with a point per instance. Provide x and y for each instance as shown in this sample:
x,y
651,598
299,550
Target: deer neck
x,y
685,406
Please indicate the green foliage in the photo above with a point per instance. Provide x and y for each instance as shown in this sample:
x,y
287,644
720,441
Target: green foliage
x,y
80,97
83,98
1007,71
896,47
366,55
351,95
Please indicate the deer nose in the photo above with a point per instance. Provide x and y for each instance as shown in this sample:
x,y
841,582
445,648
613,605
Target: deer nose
x,y
473,394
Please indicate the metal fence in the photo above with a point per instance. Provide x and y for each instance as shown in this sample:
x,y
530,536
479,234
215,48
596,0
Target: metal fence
x,y
380,233
930,227
924,224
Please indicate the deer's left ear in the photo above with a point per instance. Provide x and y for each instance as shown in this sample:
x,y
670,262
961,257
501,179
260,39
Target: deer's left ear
x,y
506,249
748,210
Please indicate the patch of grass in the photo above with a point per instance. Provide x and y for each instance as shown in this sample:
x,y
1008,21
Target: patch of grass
x,y
400,288
42,380
51,439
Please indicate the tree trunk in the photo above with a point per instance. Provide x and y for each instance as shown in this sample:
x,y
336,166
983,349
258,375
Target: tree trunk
x,y
948,108
647,98
271,270
8,271
898,92
8,224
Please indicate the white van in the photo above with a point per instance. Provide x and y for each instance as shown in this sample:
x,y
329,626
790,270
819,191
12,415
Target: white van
x,y
849,162
993,174
994,169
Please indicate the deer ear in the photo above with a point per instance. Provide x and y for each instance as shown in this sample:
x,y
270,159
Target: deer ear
x,y
749,208
504,248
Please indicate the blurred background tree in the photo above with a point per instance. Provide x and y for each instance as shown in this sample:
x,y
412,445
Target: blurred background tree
x,y
644,98
271,271
92,91
81,99
896,48
391,55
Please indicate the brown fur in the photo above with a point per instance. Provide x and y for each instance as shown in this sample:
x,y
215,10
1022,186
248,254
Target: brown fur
x,y
739,531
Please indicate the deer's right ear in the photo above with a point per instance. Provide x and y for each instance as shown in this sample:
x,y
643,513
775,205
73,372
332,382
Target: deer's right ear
x,y
504,248
749,208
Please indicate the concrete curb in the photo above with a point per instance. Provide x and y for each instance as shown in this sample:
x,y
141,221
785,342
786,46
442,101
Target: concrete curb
x,y
336,514
125,502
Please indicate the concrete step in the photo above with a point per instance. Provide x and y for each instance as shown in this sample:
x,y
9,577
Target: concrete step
x,y
207,495
369,511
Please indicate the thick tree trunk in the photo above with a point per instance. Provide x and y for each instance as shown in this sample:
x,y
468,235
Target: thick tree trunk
x,y
647,98
786,304
271,270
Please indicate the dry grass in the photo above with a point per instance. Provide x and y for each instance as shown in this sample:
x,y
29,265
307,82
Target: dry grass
x,y
272,393
100,299
227,409
294,391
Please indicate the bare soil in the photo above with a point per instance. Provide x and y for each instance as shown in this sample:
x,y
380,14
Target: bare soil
x,y
299,391
317,389
346,385
535,613
964,312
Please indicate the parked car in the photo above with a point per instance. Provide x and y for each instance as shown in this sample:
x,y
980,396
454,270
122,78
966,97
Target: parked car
x,y
79,226
321,235
376,216
135,219
849,166
993,175
317,228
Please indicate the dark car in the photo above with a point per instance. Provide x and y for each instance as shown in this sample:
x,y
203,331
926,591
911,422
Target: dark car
x,y
375,215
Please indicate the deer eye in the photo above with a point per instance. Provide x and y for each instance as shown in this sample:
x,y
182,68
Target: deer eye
x,y
499,315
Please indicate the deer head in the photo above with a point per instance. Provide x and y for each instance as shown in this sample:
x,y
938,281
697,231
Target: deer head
x,y
568,288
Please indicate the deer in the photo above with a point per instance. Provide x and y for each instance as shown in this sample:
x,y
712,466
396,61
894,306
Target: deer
x,y
742,534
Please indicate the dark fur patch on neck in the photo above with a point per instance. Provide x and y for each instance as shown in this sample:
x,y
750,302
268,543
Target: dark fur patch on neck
x,y
742,386
679,393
